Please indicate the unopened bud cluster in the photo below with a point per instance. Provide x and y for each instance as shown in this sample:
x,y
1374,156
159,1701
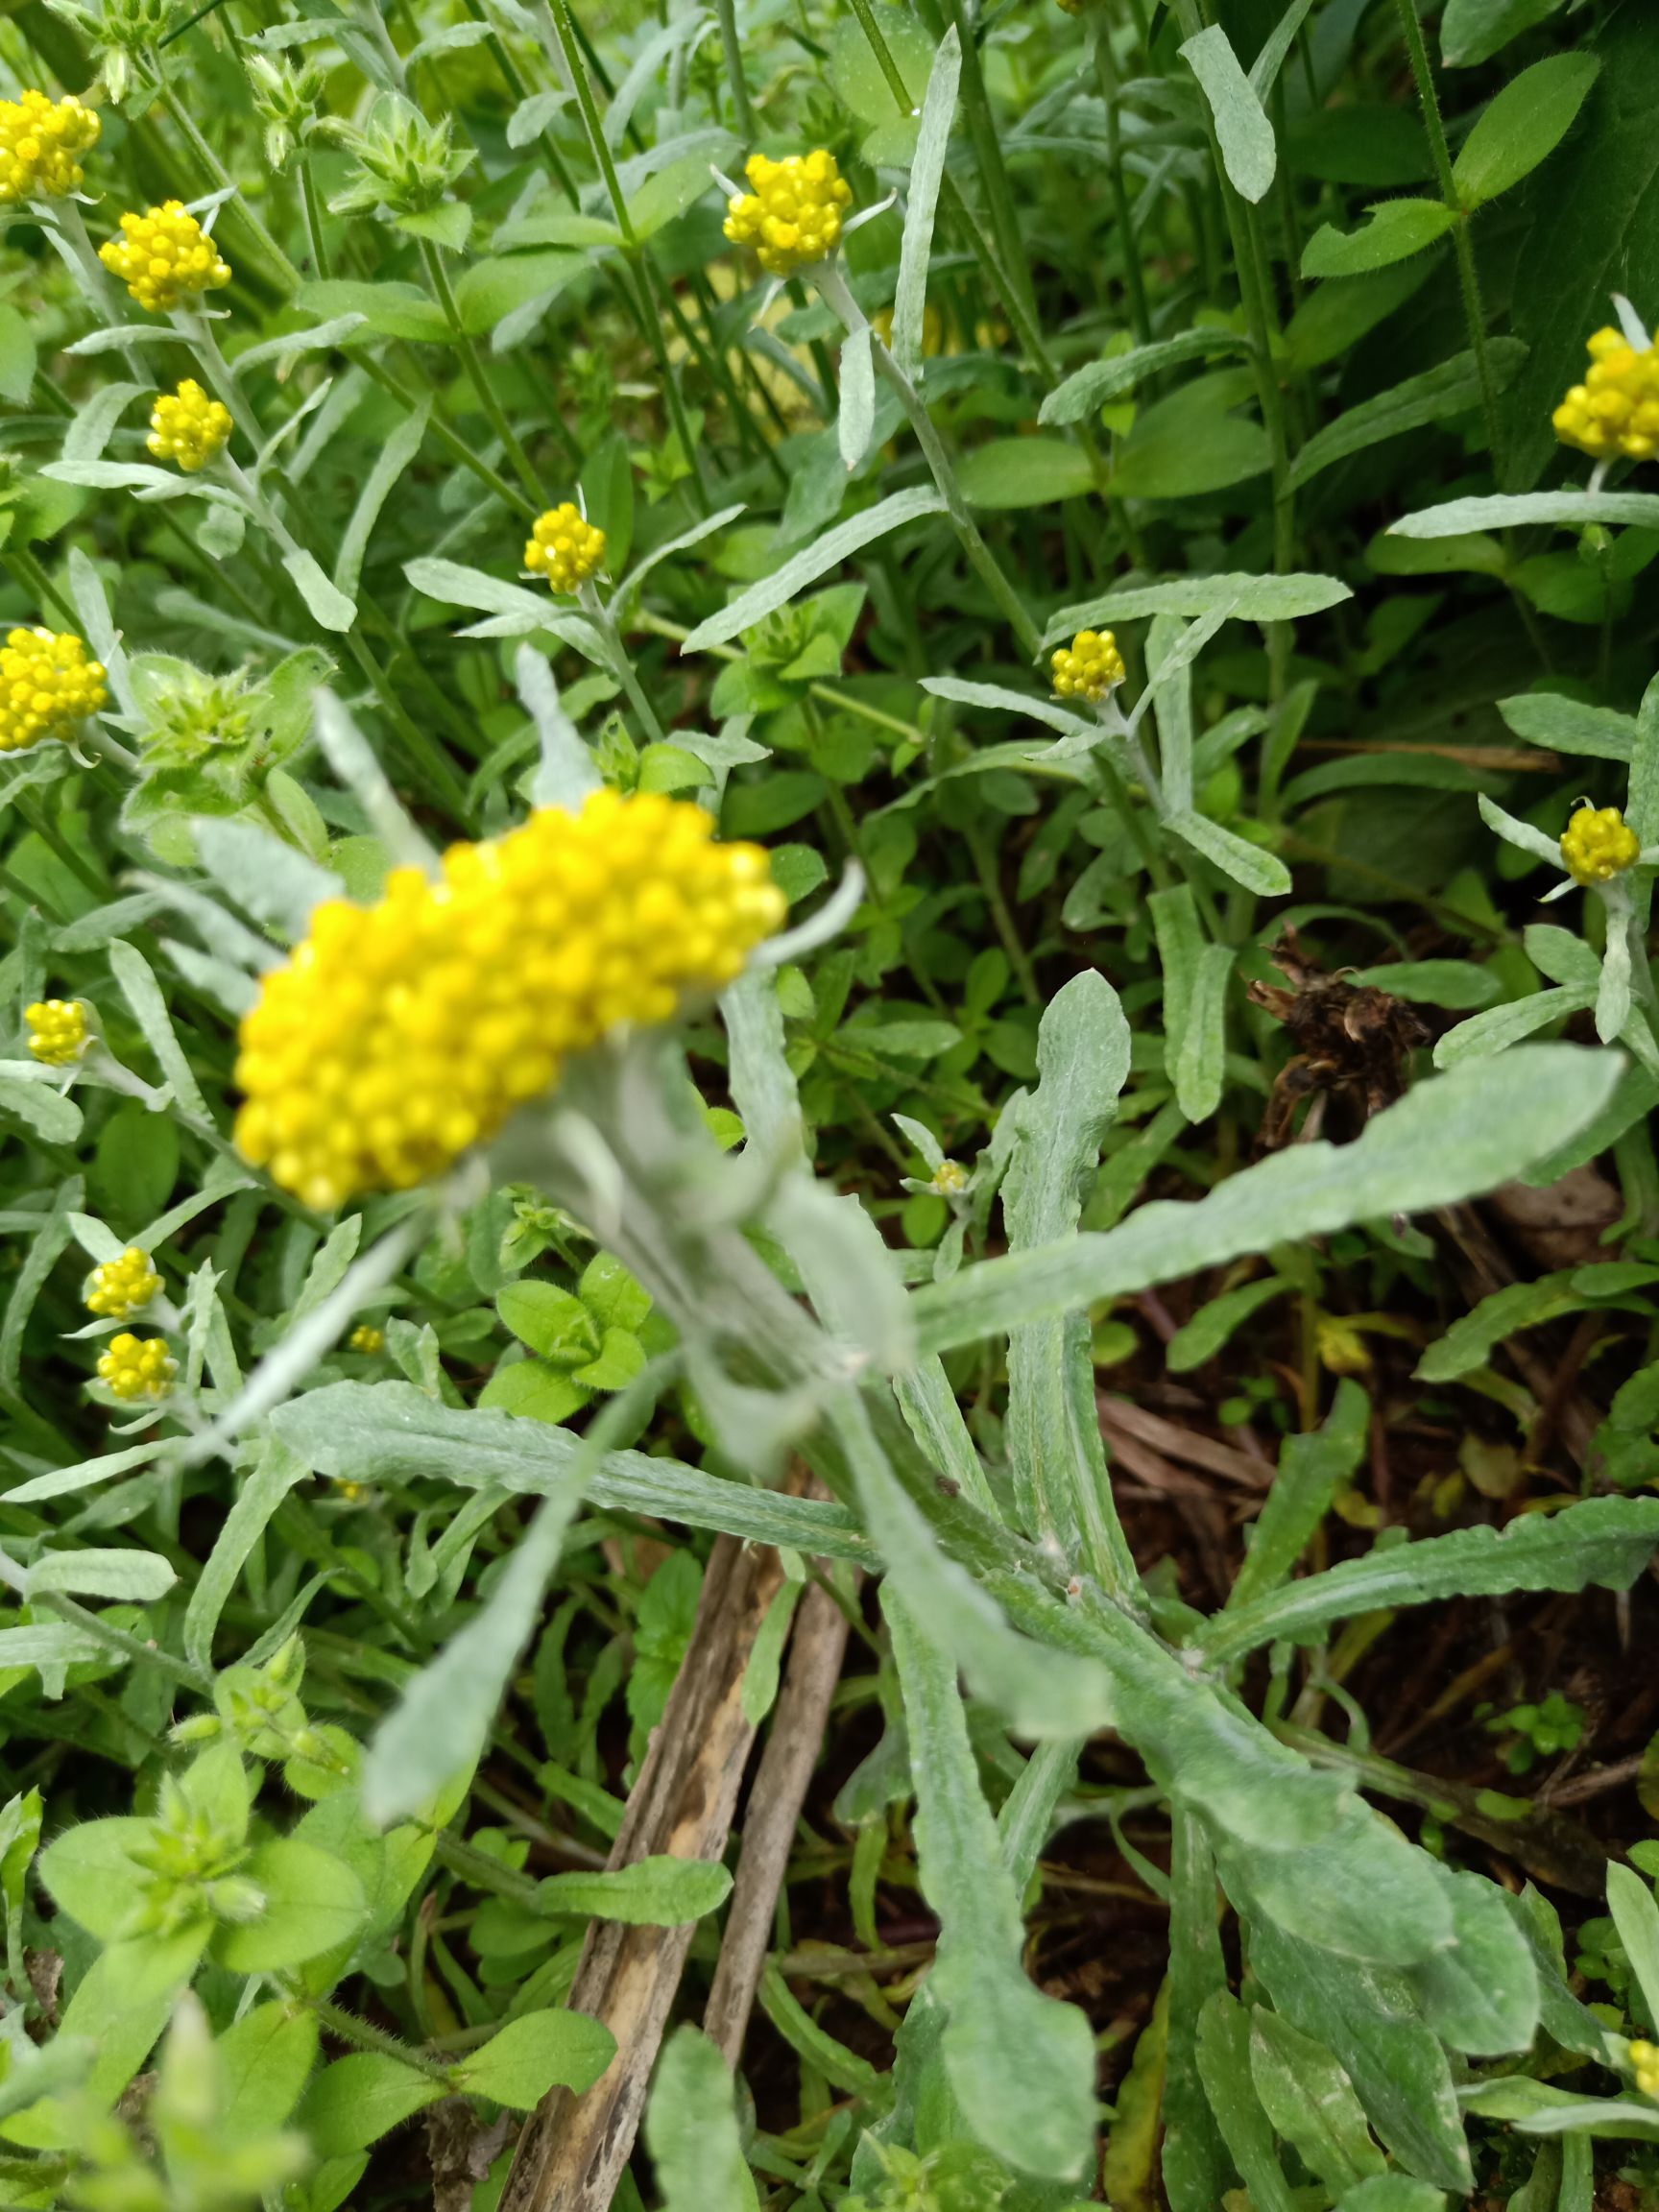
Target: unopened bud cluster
x,y
1616,409
402,1034
1644,2058
366,1340
58,1030
1599,844
40,142
48,685
564,548
135,1367
188,427
118,1288
164,257
793,213
1088,667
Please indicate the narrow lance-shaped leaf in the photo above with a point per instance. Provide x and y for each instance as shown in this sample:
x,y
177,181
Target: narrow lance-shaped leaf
x,y
927,174
831,550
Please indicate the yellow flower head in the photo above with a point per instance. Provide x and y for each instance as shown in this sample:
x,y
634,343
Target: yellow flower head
x,y
1597,845
1616,409
40,140
564,548
47,686
367,1338
58,1030
1088,667
119,1289
949,1178
137,1366
164,257
188,427
401,1035
792,217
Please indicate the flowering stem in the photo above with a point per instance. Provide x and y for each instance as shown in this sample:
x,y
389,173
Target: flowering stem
x,y
1462,243
1106,67
833,286
486,398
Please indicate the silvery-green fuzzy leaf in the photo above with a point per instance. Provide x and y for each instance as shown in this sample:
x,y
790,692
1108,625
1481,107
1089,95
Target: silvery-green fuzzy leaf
x,y
857,413
1243,130
334,609
692,2130
268,878
1249,599
830,551
927,174
144,995
140,1578
1509,511
395,458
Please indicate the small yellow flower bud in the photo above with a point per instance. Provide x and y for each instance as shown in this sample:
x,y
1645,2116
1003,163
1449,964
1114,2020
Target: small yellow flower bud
x,y
1088,667
119,1289
164,257
401,1035
564,548
47,686
1644,2053
40,140
1648,2081
1597,845
137,1367
58,1030
188,427
949,1178
792,216
366,1340
1616,409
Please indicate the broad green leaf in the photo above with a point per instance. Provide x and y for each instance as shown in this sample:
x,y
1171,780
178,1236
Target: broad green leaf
x,y
491,288
1479,1996
1022,2065
360,2098
692,2130
857,77
658,1892
1312,1469
1453,983
1523,125
313,1903
1391,2193
551,1321
89,1871
1242,131
1214,1324
1397,229
1472,31
380,1432
1604,1541
1311,2101
1506,512
1077,397
1447,1140
265,2059
926,175
1247,864
1636,1916
1362,1892
1024,473
835,545
1368,2017
1539,2109
1470,1340
1496,1030
389,310
525,2058
1451,388
1246,599
1566,725
140,1577
1189,443
1224,2060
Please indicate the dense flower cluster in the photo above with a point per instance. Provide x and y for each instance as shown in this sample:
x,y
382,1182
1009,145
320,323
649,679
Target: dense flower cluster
x,y
564,548
164,257
47,686
367,1338
137,1366
401,1035
792,216
58,1030
39,141
1088,667
119,1289
188,427
1644,2058
949,1179
1616,409
1597,845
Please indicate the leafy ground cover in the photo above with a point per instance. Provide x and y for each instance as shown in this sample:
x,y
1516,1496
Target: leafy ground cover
x,y
827,1212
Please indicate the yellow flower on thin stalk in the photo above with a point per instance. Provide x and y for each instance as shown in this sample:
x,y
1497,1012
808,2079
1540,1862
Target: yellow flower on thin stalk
x,y
48,686
120,1288
1599,844
41,140
188,427
401,1035
164,257
564,548
791,213
59,1031
135,1367
1090,668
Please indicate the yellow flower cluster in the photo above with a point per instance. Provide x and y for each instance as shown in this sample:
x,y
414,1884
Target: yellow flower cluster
x,y
1597,845
164,257
119,1289
58,1032
47,686
792,217
39,139
1088,667
564,548
1616,409
402,1034
367,1338
949,1178
137,1366
1644,2058
188,427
